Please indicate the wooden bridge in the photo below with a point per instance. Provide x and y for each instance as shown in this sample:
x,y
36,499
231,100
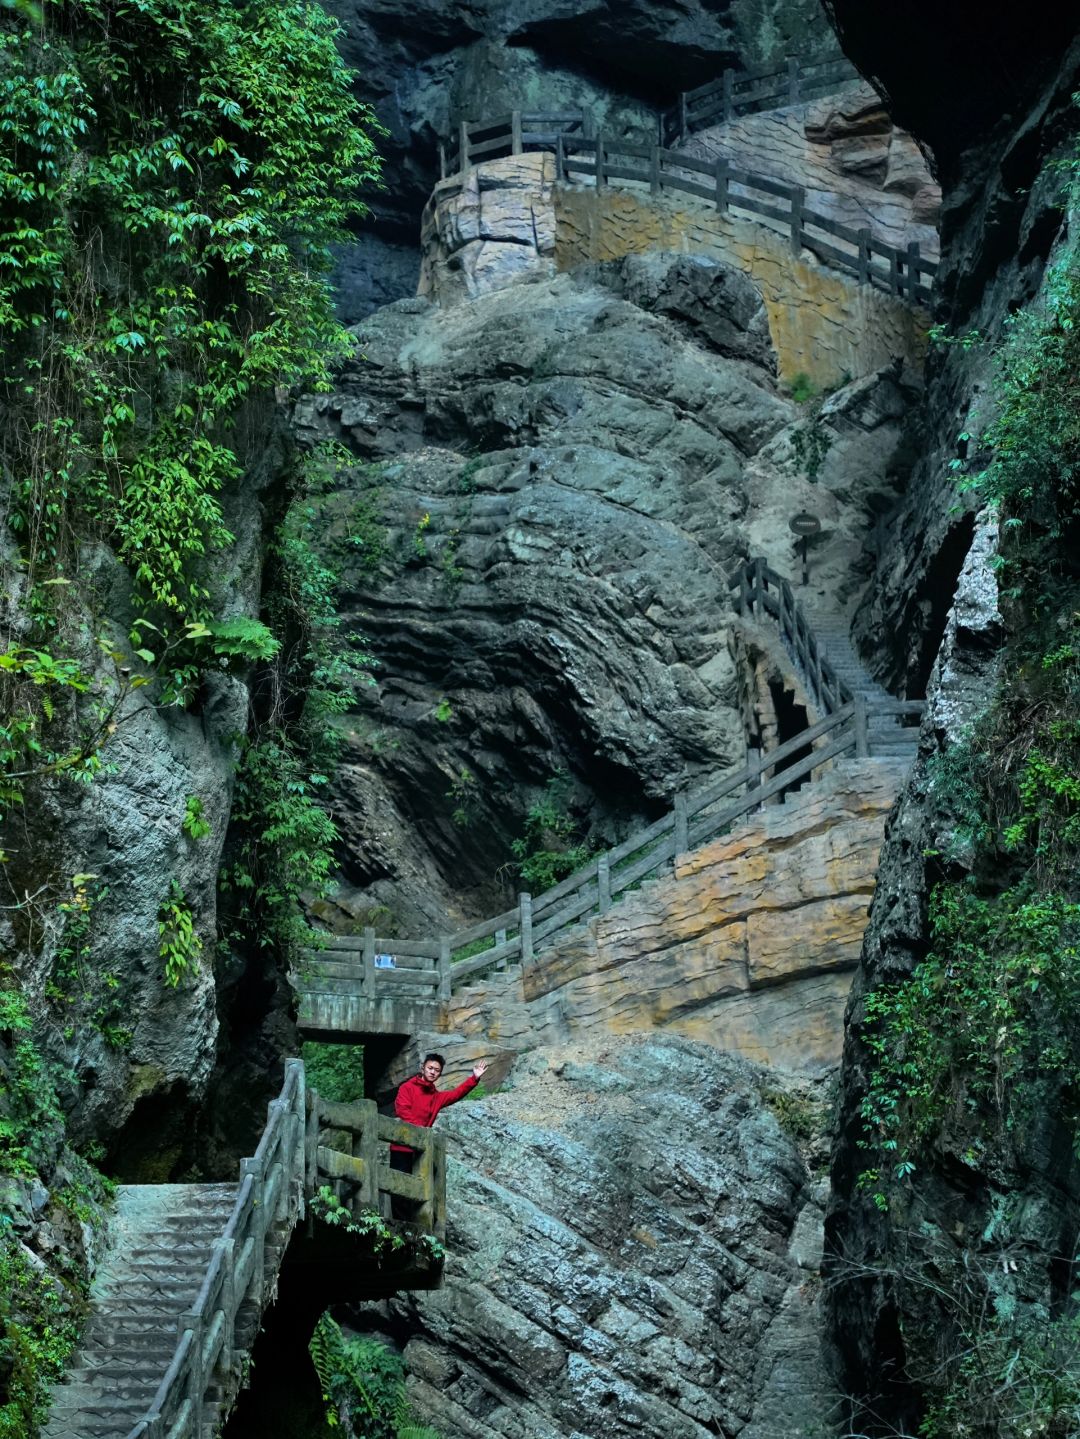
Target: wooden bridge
x,y
176,1304
350,987
581,153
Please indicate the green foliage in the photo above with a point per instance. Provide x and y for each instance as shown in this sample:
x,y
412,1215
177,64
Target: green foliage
x,y
419,540
194,824
179,944
78,984
282,844
550,849
802,389
811,444
335,1071
363,1385
242,639
31,1124
217,163
382,1240
443,712
1011,1377
464,794
990,1009
40,1316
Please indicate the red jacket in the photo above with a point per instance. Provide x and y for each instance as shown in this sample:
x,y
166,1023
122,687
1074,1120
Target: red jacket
x,y
419,1102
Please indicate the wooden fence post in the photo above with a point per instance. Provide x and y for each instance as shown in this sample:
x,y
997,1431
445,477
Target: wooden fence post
x,y
753,764
746,599
603,883
463,148
723,177
913,271
798,204
793,88
366,1147
367,961
515,132
525,927
444,967
599,159
862,732
654,171
684,123
682,826
894,271
729,94
560,159
442,161
864,256
500,939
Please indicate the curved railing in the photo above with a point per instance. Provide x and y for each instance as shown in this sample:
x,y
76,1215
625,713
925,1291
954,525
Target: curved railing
x,y
289,1165
899,270
746,92
339,982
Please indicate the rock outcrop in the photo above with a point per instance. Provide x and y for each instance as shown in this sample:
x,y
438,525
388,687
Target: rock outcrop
x,y
449,61
557,479
633,1245
748,947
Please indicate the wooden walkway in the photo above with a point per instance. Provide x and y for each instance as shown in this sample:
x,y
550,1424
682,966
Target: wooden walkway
x,y
369,984
176,1304
584,154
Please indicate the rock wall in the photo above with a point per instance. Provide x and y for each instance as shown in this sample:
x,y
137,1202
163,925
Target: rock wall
x,y
748,947
856,166
552,484
453,60
822,324
632,1244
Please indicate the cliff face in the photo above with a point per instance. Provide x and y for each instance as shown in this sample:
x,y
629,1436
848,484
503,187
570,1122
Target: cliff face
x,y
998,117
560,476
632,1242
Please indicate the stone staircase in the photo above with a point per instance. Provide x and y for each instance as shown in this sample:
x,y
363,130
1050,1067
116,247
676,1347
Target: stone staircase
x,y
889,737
162,1239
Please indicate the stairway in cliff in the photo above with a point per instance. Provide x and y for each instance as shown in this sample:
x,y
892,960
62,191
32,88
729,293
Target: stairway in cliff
x,y
162,1238
889,737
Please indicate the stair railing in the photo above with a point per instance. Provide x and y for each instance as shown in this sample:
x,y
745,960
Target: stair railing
x,y
338,984
295,1155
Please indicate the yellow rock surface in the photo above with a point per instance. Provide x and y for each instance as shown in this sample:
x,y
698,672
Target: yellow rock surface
x,y
748,946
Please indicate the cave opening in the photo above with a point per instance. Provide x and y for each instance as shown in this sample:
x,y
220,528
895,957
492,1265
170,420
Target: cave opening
x,y
938,593
791,721
154,1145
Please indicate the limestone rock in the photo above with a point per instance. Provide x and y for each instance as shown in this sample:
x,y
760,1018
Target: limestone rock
x,y
553,482
619,1227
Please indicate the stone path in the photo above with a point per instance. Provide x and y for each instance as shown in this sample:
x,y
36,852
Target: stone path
x,y
161,1241
888,736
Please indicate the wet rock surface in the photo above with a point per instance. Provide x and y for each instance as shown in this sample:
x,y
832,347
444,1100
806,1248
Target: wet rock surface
x,y
633,1249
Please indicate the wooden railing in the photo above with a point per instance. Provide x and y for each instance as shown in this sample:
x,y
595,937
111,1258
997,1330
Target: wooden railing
x,y
348,1149
291,1162
900,270
431,969
743,92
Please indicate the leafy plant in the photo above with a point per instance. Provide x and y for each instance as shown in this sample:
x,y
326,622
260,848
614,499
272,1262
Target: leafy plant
x,y
194,824
335,1071
363,1385
179,944
550,849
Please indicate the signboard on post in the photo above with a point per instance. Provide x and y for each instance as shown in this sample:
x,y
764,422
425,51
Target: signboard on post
x,y
804,524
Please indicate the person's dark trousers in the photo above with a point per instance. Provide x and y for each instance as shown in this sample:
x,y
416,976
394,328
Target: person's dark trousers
x,y
403,1160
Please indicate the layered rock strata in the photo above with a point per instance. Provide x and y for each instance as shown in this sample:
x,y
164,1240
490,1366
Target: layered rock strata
x,y
633,1244
553,483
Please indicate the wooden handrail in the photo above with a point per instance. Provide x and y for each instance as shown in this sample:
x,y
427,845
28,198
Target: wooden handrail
x,y
760,592
742,92
275,1183
899,270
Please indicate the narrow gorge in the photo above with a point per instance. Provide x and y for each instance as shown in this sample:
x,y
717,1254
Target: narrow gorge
x,y
539,559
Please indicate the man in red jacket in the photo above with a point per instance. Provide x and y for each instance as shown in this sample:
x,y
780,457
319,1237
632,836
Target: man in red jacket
x,y
419,1102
